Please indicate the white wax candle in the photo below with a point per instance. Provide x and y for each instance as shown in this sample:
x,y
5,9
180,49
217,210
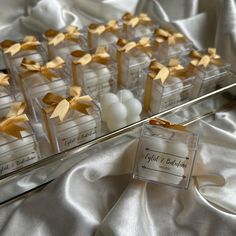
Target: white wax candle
x,y
116,112
124,94
107,99
133,106
132,119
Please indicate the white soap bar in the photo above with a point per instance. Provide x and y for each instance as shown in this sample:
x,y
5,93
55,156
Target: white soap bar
x,y
124,94
57,83
116,112
36,83
142,30
133,106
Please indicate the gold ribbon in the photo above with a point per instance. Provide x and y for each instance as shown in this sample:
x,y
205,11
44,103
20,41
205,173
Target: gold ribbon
x,y
4,79
204,60
162,35
144,44
101,56
166,124
10,124
55,37
59,106
133,21
111,26
12,47
160,72
33,67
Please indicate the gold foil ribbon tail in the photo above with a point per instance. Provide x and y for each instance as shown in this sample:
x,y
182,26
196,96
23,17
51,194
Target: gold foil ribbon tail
x,y
167,124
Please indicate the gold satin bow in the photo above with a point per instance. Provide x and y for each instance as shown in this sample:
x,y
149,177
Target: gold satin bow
x,y
33,67
162,35
133,21
60,106
9,124
4,79
101,56
204,60
111,26
159,71
55,37
12,47
166,124
125,46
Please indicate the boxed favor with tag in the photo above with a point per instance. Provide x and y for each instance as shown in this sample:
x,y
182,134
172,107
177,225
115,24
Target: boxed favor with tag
x,y
165,154
69,118
14,51
94,71
167,86
18,144
211,71
36,79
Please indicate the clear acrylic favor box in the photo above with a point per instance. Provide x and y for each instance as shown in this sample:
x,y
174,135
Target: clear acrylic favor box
x,y
211,78
165,155
65,47
37,85
95,78
104,39
163,51
165,96
142,29
130,68
76,128
17,153
39,54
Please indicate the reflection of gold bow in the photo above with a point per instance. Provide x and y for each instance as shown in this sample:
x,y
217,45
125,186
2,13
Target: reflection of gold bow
x,y
166,124
101,56
4,79
9,125
111,26
162,35
132,20
125,46
12,47
204,60
158,71
33,67
55,37
60,106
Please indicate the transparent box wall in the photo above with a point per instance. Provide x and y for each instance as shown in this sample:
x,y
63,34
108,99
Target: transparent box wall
x,y
131,71
96,79
37,85
77,128
164,51
211,78
165,96
17,153
165,156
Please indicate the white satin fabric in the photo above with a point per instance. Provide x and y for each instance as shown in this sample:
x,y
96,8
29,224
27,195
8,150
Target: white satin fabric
x,y
98,196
